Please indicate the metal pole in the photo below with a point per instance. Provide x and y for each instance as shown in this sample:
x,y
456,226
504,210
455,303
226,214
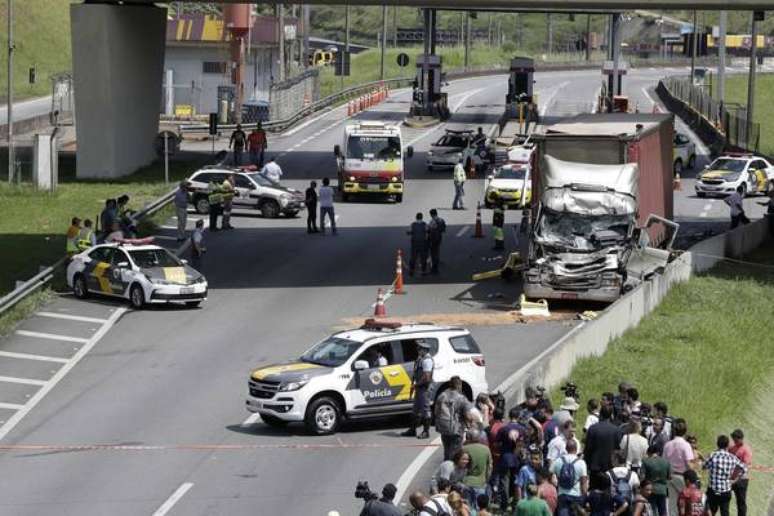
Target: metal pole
x,y
722,57
11,155
384,41
549,34
346,39
615,24
751,80
467,40
694,46
306,10
166,157
281,26
588,37
395,27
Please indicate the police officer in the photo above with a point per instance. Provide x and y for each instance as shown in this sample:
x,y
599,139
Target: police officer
x,y
420,388
227,189
215,199
418,233
498,223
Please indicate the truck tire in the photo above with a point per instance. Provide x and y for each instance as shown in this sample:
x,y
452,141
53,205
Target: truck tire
x,y
323,416
270,209
201,204
399,197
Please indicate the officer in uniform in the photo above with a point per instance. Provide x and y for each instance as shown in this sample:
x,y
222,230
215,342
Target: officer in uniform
x,y
420,388
498,223
215,198
227,189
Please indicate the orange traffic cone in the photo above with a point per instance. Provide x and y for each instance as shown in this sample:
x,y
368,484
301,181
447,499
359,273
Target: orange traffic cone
x,y
677,185
479,233
399,274
379,310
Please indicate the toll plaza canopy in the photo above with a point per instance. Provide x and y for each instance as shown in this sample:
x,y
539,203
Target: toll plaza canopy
x,y
562,5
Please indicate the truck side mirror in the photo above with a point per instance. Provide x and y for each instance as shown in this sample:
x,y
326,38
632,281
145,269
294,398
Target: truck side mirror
x,y
409,151
337,151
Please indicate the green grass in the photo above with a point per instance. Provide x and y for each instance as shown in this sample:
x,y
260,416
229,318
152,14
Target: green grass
x,y
42,40
22,310
707,352
736,92
33,224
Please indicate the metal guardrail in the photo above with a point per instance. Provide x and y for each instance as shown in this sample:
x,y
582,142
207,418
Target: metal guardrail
x,y
46,274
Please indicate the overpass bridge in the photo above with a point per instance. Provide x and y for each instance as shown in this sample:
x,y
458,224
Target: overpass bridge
x,y
118,59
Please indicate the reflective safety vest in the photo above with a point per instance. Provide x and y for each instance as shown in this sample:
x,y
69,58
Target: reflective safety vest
x,y
71,245
498,233
85,239
228,190
498,217
215,196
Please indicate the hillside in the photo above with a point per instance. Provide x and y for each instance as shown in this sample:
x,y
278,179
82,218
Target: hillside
x,y
42,38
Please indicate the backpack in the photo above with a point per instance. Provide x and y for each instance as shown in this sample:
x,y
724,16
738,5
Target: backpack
x,y
438,511
567,474
621,486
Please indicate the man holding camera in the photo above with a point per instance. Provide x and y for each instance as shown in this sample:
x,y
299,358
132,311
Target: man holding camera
x,y
384,506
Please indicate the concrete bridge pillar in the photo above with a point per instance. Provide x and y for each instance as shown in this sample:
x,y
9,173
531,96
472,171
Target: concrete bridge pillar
x,y
118,63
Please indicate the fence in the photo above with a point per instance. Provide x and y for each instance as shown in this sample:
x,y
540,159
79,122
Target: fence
x,y
730,119
293,95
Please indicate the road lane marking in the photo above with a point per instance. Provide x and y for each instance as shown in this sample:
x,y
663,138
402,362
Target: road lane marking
x,y
462,231
27,356
50,336
251,420
23,381
172,500
431,130
72,317
10,406
61,373
551,96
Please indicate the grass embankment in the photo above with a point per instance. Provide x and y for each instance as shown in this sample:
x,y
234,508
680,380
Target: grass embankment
x,y
366,66
42,40
736,92
33,224
707,352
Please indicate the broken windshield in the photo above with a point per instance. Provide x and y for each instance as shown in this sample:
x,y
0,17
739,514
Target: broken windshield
x,y
582,232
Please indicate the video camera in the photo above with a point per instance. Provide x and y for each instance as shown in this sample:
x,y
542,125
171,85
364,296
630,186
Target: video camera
x,y
363,491
570,390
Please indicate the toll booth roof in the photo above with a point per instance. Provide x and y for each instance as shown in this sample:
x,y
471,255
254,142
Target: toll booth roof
x,y
607,124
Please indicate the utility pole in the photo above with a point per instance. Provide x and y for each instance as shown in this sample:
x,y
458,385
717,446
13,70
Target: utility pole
x,y
346,39
281,41
722,56
462,28
550,34
467,39
384,40
694,44
756,16
395,27
588,37
11,156
306,9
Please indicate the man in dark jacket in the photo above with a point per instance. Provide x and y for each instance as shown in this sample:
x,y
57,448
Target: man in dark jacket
x,y
602,439
418,232
435,230
311,208
384,506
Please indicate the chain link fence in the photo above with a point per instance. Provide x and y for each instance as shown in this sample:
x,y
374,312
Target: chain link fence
x,y
291,96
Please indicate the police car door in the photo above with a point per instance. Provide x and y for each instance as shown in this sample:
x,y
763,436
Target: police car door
x,y
384,383
243,186
120,272
97,270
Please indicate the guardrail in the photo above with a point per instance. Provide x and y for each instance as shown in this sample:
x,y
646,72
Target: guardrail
x,y
46,274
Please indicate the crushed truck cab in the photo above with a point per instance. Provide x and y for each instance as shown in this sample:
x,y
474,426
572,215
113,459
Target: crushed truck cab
x,y
370,160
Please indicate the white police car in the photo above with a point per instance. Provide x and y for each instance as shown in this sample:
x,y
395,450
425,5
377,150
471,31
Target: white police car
x,y
140,273
363,373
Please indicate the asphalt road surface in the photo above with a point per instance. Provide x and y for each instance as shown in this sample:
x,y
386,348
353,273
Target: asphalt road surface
x,y
110,411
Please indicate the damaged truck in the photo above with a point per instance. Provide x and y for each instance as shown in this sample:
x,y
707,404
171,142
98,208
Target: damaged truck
x,y
602,223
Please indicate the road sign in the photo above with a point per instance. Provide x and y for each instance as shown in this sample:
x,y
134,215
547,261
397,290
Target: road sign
x,y
403,59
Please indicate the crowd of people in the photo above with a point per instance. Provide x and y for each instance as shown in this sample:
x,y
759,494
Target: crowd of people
x,y
628,457
115,223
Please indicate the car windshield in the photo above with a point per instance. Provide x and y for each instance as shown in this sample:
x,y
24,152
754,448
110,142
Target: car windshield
x,y
332,352
510,173
373,147
729,165
148,258
451,140
262,180
582,232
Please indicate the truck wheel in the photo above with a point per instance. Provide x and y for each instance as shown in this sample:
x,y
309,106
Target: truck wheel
x,y
136,297
273,421
202,205
692,162
323,416
270,209
398,197
79,287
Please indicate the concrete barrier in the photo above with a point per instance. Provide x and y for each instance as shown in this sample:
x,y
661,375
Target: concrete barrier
x,y
592,338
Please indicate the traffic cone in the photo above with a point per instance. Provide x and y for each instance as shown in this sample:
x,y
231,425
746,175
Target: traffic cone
x,y
379,310
677,185
399,274
479,233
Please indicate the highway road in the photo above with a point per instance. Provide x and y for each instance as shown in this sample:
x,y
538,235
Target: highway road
x,y
110,411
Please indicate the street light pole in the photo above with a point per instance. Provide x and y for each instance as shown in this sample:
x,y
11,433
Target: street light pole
x,y
384,40
753,70
722,56
11,156
694,44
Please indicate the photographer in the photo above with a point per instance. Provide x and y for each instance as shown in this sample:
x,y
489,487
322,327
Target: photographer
x,y
383,506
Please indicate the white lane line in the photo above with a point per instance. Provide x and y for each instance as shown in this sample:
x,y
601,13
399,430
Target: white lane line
x,y
23,381
172,500
27,356
431,130
251,420
14,420
11,406
50,336
69,317
550,99
462,231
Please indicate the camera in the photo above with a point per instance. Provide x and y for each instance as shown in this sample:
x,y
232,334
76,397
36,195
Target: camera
x,y
570,390
363,491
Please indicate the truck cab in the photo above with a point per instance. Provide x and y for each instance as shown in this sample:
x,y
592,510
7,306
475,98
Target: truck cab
x,y
370,160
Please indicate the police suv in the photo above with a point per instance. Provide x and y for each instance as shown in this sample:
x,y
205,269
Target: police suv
x,y
363,373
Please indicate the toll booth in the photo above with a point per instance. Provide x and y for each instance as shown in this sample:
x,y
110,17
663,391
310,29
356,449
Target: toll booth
x,y
615,84
428,100
521,81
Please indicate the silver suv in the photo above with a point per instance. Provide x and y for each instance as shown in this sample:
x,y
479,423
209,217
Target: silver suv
x,y
253,190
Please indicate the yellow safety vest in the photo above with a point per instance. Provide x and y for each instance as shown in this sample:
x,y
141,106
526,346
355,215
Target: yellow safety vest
x,y
228,191
71,245
84,239
215,196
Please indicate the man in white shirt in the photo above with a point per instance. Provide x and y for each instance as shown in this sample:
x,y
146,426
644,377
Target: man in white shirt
x,y
326,206
435,505
272,171
459,186
557,447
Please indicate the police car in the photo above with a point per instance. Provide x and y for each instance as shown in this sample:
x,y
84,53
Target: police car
x,y
363,373
724,175
140,273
